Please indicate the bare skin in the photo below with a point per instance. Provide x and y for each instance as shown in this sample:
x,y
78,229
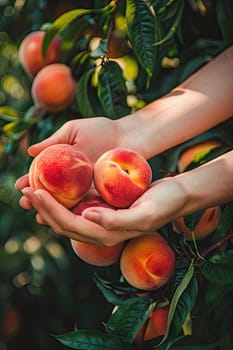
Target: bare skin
x,y
201,102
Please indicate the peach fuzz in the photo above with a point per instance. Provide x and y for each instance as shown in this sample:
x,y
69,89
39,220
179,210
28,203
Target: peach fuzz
x,y
155,326
188,155
91,253
121,176
63,171
30,52
206,225
147,262
53,88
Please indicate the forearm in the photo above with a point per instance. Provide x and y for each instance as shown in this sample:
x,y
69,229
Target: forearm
x,y
201,102
208,185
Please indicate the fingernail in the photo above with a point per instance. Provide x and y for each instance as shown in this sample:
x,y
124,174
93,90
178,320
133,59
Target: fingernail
x,y
91,215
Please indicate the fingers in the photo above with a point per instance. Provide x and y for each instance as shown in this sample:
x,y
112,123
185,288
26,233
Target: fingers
x,y
62,221
22,182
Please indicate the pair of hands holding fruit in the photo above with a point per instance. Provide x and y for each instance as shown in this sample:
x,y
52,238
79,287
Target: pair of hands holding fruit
x,y
191,108
94,225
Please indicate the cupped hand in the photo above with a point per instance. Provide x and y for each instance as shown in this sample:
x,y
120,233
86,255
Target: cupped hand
x,y
161,204
63,222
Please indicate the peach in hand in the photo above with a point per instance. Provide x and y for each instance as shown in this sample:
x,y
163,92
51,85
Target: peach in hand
x,y
156,325
91,253
121,176
147,262
53,88
206,225
63,171
30,52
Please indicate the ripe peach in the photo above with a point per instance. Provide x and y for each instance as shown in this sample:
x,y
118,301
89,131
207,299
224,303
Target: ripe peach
x,y
206,225
30,52
155,326
91,253
189,154
54,87
63,171
121,176
147,262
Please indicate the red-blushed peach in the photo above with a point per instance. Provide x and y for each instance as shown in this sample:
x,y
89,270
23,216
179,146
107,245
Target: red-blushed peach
x,y
147,262
188,155
206,225
121,176
30,52
63,171
155,326
97,255
91,253
53,88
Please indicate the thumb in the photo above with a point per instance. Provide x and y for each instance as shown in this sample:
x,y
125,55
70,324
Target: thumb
x,y
133,218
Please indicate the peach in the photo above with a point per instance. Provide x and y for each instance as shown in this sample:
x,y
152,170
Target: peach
x,y
155,326
121,175
63,171
206,225
147,262
189,154
53,88
30,52
91,253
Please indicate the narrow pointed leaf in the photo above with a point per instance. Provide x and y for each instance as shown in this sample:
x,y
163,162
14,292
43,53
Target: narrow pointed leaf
x,y
130,317
61,22
142,32
177,298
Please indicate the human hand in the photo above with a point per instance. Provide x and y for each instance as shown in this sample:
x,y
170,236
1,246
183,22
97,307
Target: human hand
x,y
158,206
87,136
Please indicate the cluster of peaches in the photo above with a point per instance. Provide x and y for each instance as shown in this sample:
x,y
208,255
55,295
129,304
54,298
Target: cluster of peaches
x,y
53,85
120,176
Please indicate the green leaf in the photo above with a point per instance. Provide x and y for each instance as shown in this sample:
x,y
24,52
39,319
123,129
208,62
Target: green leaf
x,y
219,272
226,221
175,24
142,32
181,303
192,220
111,90
130,317
88,339
113,293
85,94
15,128
61,23
71,35
184,306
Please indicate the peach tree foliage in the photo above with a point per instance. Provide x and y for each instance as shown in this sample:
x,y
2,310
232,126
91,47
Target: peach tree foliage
x,y
201,289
